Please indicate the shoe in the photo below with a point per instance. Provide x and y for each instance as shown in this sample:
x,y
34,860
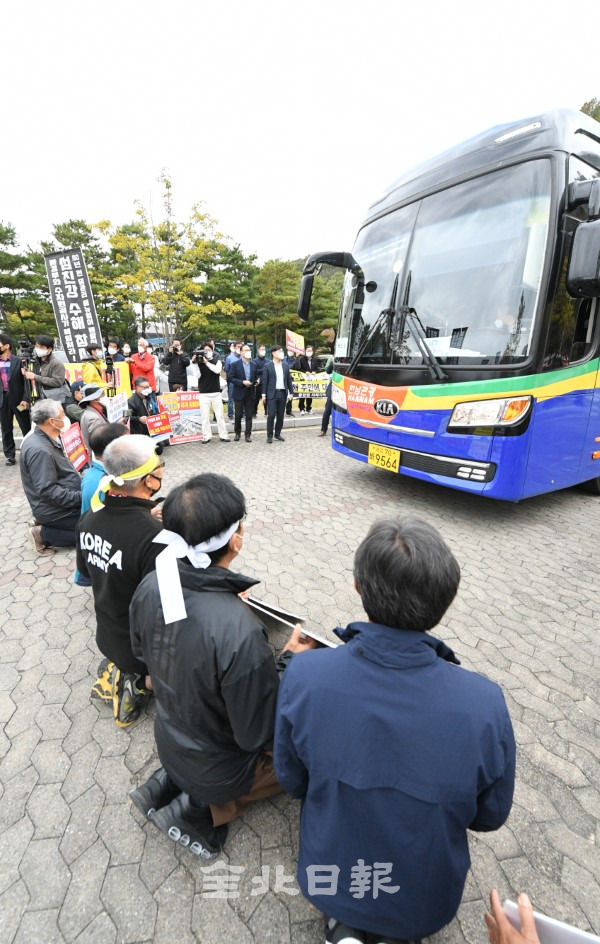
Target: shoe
x,y
35,536
280,438
205,442
191,827
236,438
102,687
248,438
322,433
227,440
269,440
158,791
127,697
342,934
10,462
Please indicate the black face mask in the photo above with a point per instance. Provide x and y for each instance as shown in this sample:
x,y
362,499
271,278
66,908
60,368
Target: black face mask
x,y
154,491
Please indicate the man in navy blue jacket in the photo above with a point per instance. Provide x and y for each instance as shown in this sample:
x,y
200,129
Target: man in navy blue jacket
x,y
243,376
395,751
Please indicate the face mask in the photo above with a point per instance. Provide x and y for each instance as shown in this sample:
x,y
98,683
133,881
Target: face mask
x,y
279,354
309,354
112,351
153,491
261,353
247,355
146,392
141,351
208,352
126,351
64,426
41,351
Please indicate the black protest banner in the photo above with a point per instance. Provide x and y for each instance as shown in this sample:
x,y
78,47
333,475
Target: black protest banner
x,y
73,303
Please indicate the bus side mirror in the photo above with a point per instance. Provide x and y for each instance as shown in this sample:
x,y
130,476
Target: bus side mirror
x,y
306,287
583,274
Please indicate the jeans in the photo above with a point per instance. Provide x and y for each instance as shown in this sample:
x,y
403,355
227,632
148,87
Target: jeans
x,y
60,533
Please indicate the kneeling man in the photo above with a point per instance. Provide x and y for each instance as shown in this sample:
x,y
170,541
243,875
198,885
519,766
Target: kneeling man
x,y
394,750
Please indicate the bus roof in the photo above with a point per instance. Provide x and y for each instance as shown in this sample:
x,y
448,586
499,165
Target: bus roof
x,y
559,130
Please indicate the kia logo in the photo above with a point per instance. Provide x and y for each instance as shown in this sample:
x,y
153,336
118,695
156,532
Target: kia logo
x,y
386,407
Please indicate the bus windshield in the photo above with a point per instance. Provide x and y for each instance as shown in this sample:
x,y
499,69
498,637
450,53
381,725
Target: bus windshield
x,y
469,261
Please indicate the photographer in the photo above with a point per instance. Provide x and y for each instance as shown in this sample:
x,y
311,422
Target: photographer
x,y
48,372
13,402
209,389
177,362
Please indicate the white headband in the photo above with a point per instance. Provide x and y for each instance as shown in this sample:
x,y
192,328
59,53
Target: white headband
x,y
169,583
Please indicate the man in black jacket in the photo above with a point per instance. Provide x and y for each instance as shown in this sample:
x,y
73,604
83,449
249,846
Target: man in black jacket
x,y
51,484
261,362
277,391
13,402
209,390
115,550
177,362
242,376
213,673
307,365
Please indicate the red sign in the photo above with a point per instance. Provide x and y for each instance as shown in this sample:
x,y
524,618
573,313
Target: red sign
x,y
159,425
74,447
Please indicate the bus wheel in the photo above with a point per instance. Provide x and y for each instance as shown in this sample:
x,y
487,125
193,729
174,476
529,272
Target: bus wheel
x,y
592,487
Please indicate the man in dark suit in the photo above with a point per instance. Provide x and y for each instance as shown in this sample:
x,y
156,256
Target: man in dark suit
x,y
307,364
13,402
278,388
243,376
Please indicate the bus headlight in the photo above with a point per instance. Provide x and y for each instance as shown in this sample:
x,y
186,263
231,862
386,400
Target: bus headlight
x,y
505,412
338,397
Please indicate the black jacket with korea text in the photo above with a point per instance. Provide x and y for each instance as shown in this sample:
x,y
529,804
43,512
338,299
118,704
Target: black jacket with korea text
x,y
215,682
115,549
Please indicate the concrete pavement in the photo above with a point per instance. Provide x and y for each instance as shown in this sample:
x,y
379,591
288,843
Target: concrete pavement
x,y
77,863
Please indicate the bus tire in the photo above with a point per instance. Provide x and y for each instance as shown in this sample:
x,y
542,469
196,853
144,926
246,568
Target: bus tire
x,y
592,487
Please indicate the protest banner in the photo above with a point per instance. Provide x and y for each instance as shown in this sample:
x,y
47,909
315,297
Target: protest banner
x,y
185,415
294,342
115,407
72,303
159,427
310,385
74,447
122,379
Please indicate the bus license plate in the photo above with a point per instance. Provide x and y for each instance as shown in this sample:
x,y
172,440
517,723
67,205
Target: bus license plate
x,y
384,457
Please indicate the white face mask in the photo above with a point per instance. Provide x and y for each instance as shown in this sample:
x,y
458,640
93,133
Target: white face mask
x,y
141,350
145,392
247,354
208,352
126,351
41,351
65,424
309,354
112,351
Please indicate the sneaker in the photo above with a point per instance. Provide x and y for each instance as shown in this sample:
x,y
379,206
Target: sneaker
x,y
338,933
280,438
35,536
127,698
190,827
12,461
205,442
226,440
158,791
102,687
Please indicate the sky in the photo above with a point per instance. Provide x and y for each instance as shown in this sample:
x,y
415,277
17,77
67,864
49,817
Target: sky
x,y
286,120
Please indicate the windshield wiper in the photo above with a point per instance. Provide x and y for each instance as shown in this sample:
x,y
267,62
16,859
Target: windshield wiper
x,y
413,322
385,315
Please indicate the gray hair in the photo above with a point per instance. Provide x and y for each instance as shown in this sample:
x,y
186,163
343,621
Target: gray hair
x,y
45,409
126,454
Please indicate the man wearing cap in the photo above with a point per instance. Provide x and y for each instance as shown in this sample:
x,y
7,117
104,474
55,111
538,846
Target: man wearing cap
x,y
115,549
213,673
72,404
94,413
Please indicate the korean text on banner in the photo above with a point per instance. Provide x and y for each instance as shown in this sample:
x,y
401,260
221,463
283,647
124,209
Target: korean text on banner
x,y
185,415
121,377
73,303
74,447
159,427
294,342
115,407
310,385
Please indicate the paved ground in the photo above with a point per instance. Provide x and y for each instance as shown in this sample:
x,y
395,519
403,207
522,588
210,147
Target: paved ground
x,y
77,864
